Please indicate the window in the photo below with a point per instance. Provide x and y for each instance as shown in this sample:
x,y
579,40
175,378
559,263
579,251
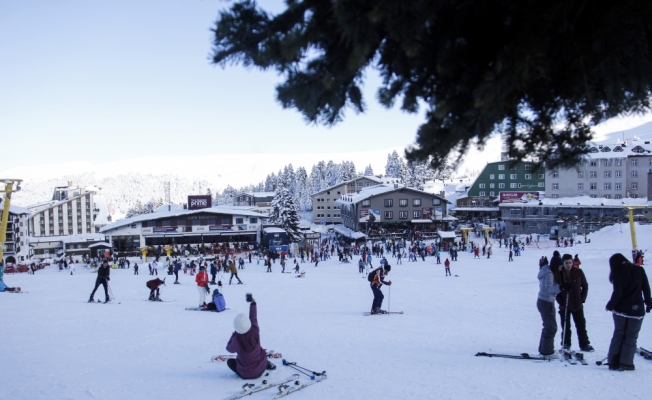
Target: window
x,y
501,176
416,214
619,162
501,167
580,174
366,203
634,174
239,221
514,211
542,176
607,162
512,185
482,194
492,176
492,185
618,196
542,184
389,203
528,167
634,186
555,186
482,186
528,176
253,220
634,196
593,163
593,174
512,176
416,202
436,202
607,174
607,196
619,174
634,163
402,214
594,196
501,186
580,186
618,186
492,193
402,202
389,214
607,186
555,174
594,186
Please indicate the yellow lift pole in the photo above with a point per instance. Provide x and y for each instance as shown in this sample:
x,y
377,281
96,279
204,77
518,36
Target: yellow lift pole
x,y
632,229
9,189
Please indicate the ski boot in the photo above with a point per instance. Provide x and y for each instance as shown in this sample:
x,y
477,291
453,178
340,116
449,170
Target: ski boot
x,y
91,300
270,366
151,297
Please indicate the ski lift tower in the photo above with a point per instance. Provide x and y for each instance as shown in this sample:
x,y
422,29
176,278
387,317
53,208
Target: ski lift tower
x,y
9,189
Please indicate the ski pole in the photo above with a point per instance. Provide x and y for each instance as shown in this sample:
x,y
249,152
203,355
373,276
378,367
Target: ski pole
x,y
602,361
110,291
295,366
563,328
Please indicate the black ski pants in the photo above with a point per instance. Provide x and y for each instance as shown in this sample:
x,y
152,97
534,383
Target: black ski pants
x,y
623,341
580,325
151,293
98,282
547,340
378,297
236,277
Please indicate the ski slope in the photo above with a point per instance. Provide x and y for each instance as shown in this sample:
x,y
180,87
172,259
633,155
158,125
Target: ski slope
x,y
57,346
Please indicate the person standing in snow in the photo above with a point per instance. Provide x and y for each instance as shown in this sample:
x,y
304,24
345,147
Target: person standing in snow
x,y
155,267
153,286
376,284
202,282
447,266
251,360
548,289
510,256
234,272
629,302
103,277
213,273
575,288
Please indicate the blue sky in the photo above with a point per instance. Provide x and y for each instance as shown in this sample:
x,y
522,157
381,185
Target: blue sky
x,y
112,80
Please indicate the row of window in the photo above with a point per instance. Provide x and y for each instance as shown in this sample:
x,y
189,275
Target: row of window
x,y
401,202
594,174
513,176
606,196
594,186
511,185
528,167
402,214
327,207
328,215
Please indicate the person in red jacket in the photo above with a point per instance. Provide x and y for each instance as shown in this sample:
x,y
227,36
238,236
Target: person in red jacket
x,y
251,360
202,284
447,265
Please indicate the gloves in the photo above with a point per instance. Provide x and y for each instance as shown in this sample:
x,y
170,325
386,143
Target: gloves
x,y
565,287
389,283
648,309
108,279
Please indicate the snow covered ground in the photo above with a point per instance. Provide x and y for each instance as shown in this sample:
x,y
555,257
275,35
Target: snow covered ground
x,y
56,346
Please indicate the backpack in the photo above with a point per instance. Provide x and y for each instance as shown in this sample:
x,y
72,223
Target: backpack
x,y
372,275
220,303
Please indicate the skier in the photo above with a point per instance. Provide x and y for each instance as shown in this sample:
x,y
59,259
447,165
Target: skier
x,y
234,271
630,297
447,265
251,360
510,256
153,286
576,262
177,267
155,268
575,289
202,283
437,254
218,304
213,273
103,277
296,266
548,289
135,269
398,258
377,282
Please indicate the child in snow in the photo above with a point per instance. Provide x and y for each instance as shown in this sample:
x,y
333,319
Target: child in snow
x,y
447,265
251,360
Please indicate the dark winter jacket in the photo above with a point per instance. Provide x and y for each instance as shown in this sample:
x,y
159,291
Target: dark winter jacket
x,y
628,296
252,358
103,272
154,283
578,293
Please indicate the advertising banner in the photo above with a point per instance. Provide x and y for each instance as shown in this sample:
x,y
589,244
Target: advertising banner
x,y
164,229
427,212
518,197
370,215
199,202
214,228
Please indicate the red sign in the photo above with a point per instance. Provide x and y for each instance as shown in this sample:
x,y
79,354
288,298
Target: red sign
x,y
518,197
199,202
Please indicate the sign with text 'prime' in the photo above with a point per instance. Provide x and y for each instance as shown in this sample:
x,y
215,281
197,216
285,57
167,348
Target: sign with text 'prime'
x,y
199,202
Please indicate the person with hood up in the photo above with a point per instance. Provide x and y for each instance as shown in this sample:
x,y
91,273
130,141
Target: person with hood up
x,y
629,302
548,289
251,360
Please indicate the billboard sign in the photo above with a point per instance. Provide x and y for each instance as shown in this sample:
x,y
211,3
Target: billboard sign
x,y
164,229
518,197
370,215
427,213
199,202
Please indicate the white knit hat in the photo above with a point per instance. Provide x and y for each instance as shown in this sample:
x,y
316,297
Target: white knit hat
x,y
242,324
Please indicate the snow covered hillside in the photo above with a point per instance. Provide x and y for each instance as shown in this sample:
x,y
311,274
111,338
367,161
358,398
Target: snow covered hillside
x,y
58,346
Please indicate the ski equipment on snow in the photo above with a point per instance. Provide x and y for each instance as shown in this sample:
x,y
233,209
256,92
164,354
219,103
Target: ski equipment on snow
x,y
522,356
580,357
647,354
285,390
303,370
224,357
382,313
250,388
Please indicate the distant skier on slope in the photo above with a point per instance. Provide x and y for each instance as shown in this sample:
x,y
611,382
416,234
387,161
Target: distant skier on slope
x,y
377,281
154,286
103,277
251,360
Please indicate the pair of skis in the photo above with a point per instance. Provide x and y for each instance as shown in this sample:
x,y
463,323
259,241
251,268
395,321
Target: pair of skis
x,y
366,314
647,354
250,388
571,357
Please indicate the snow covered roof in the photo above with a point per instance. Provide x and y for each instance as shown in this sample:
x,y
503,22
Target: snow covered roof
x,y
343,230
373,191
613,146
261,194
485,209
18,210
582,201
421,221
273,229
446,234
370,177
168,207
99,244
175,213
